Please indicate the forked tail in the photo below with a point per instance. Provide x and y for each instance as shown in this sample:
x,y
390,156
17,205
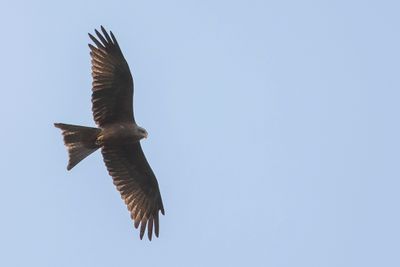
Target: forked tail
x,y
79,140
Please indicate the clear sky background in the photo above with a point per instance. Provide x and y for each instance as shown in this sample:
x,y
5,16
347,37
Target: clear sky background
x,y
273,131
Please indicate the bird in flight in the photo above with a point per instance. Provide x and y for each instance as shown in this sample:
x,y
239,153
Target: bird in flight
x,y
117,134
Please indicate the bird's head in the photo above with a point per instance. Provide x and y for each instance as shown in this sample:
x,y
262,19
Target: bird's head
x,y
142,132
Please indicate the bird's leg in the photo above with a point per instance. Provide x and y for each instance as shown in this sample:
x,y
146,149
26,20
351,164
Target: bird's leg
x,y
99,139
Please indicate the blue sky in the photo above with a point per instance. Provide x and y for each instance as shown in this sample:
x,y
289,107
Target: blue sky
x,y
273,131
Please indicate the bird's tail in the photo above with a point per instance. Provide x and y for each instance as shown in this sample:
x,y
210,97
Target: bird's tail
x,y
79,140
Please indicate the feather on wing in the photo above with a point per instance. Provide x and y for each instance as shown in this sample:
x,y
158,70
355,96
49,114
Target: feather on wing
x,y
112,87
135,180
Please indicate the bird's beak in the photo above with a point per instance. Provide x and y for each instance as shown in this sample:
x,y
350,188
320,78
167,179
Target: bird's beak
x,y
145,135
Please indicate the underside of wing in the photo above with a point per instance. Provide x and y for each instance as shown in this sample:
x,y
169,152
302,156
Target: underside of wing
x,y
137,184
112,87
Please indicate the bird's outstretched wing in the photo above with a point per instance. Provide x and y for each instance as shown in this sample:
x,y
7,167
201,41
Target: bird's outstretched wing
x,y
137,184
112,87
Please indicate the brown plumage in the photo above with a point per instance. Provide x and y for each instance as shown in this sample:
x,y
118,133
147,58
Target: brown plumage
x,y
118,135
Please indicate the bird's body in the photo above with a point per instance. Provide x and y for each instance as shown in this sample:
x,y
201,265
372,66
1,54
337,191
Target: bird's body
x,y
117,135
120,134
